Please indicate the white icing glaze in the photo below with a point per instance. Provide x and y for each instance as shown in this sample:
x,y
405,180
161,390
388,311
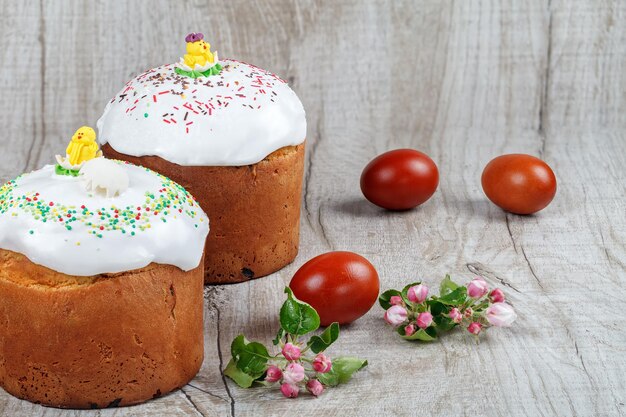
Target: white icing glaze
x,y
154,220
235,118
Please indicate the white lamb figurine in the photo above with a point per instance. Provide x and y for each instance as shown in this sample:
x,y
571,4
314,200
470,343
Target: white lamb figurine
x,y
104,177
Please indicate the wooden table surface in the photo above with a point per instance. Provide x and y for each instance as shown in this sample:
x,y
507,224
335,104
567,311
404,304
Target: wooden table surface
x,y
463,81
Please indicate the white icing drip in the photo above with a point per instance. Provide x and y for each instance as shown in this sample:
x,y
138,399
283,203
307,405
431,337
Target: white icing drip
x,y
179,241
243,115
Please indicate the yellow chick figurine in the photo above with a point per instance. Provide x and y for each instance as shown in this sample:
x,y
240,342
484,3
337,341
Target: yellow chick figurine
x,y
198,51
83,146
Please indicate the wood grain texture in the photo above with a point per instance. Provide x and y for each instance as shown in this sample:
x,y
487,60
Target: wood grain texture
x,y
463,81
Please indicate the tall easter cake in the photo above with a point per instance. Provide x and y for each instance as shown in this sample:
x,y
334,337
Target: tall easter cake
x,y
100,280
233,135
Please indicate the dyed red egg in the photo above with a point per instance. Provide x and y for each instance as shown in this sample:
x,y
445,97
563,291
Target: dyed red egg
x,y
400,179
519,183
340,286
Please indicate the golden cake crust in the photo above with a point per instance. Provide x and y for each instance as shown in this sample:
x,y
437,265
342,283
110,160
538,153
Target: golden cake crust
x,y
100,341
254,210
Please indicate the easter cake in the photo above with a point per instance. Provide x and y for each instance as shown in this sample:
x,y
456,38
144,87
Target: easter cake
x,y
100,280
233,135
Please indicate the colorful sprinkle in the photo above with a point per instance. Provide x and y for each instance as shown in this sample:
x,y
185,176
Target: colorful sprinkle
x,y
262,82
101,220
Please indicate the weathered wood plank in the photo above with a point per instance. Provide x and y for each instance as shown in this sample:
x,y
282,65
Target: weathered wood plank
x,y
462,81
22,78
587,81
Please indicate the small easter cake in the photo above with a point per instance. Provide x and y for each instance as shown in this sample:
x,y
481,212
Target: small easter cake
x,y
233,135
100,282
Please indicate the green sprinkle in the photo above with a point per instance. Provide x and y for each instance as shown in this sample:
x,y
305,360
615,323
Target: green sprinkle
x,y
159,205
145,115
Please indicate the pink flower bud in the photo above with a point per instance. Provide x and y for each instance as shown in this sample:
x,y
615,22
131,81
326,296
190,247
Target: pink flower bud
x,y
474,328
315,387
424,319
396,315
455,315
293,373
273,374
417,293
409,329
496,296
291,352
477,288
468,313
289,390
322,363
500,315
395,300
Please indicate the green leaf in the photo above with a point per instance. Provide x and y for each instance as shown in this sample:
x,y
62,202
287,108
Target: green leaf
x,y
440,314
427,335
431,331
437,308
443,323
279,335
329,379
325,339
384,299
249,357
447,286
455,297
405,291
296,317
241,378
342,370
